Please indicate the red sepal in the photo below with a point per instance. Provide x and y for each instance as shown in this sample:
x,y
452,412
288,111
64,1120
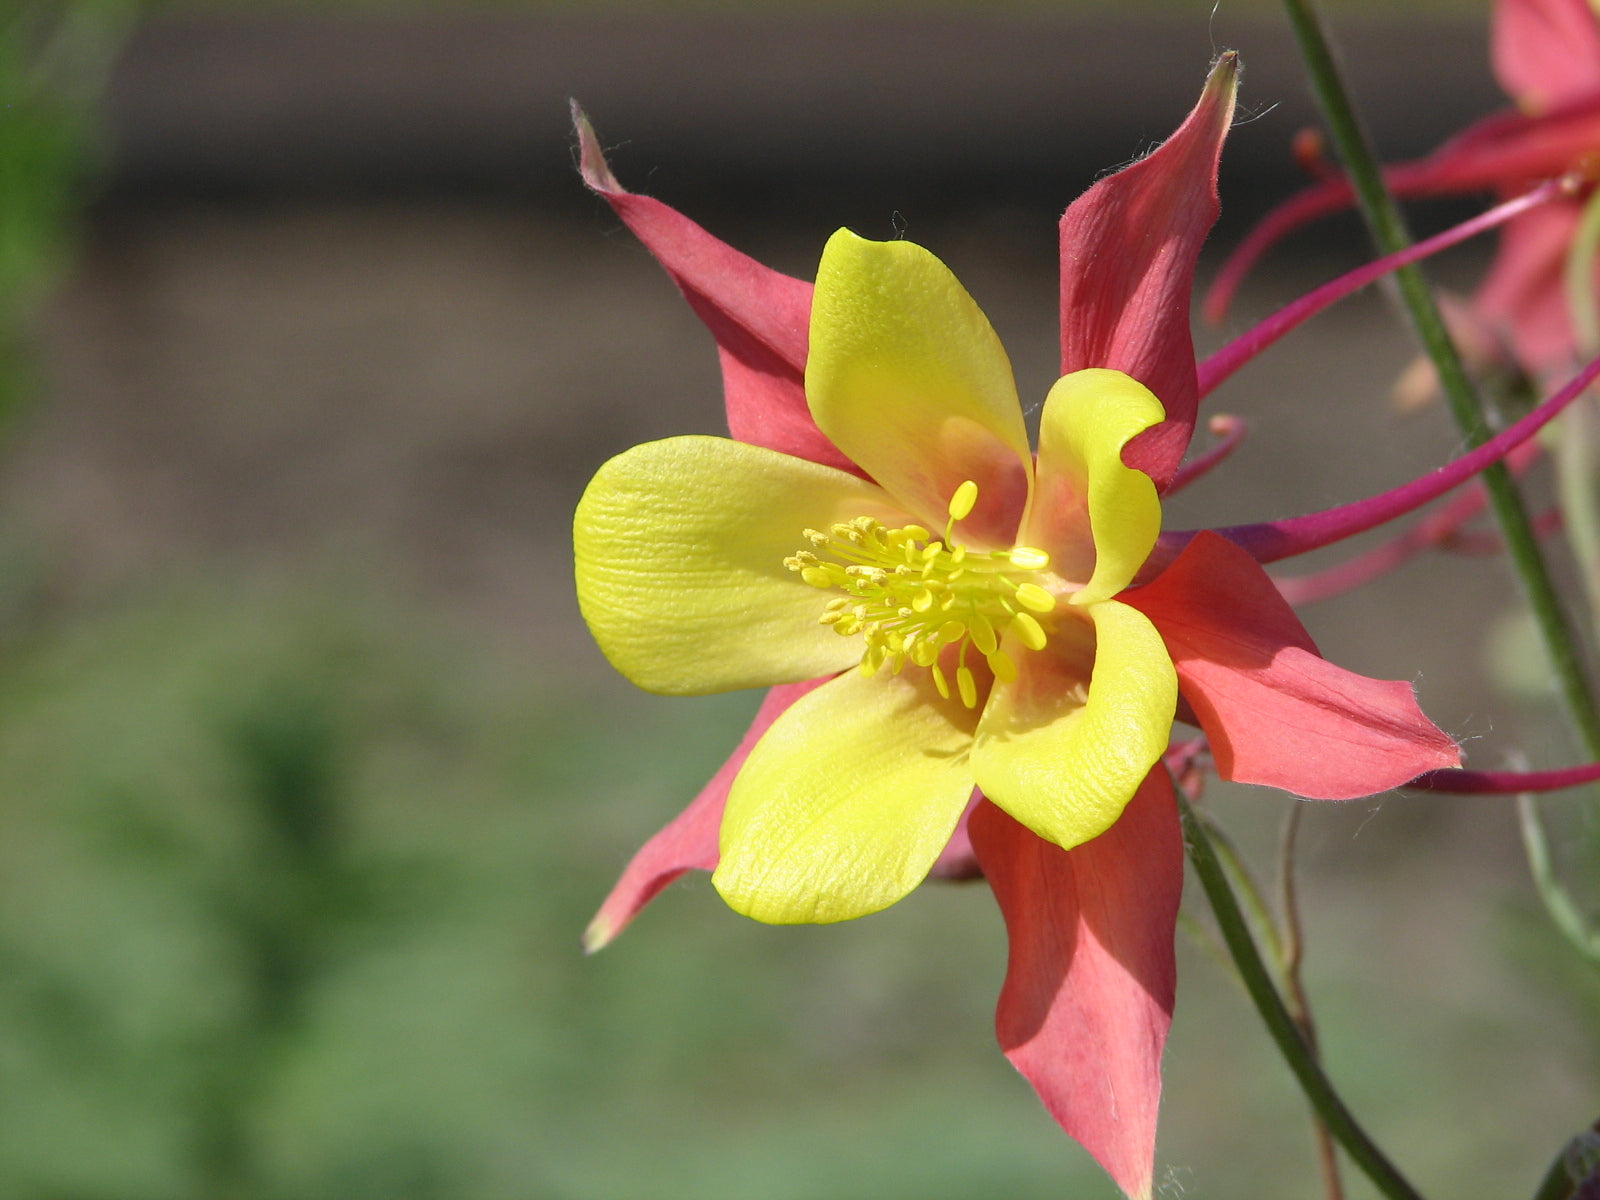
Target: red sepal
x,y
1091,977
1277,713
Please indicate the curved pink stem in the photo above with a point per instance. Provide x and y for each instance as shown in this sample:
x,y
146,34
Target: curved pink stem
x,y
1231,430
1484,543
1440,530
1242,349
1274,540
1319,201
1358,572
1504,782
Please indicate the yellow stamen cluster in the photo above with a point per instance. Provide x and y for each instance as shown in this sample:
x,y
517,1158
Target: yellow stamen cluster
x,y
910,594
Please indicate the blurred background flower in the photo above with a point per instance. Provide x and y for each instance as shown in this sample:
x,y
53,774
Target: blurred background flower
x,y
309,774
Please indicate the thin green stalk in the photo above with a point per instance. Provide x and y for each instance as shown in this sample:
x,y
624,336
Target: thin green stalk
x,y
1390,234
1205,940
1291,954
1555,897
1573,450
1280,1025
1254,902
1578,277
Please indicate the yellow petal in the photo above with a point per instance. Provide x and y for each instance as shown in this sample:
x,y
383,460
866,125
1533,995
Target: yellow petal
x,y
1096,518
908,378
1065,761
845,803
679,561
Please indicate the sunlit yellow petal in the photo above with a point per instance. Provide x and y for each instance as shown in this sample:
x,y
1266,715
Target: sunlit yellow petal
x,y
1063,759
1097,518
908,378
847,800
680,548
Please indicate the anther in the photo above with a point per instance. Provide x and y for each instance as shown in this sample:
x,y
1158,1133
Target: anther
x,y
909,595
961,503
1028,630
982,634
968,686
1031,595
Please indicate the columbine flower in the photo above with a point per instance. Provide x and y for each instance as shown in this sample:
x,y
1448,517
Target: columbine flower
x,y
990,651
937,608
1546,55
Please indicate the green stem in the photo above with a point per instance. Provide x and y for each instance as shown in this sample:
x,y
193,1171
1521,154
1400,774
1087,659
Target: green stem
x,y
1556,1184
1574,447
1558,903
1391,236
1255,904
1258,982
1205,940
1578,277
1291,955
1572,450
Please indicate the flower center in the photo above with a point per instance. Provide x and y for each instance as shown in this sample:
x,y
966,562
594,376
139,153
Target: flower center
x,y
910,594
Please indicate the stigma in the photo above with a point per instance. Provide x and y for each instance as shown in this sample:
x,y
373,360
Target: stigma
x,y
909,594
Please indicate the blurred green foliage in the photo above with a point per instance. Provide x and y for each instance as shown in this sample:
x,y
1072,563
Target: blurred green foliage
x,y
290,897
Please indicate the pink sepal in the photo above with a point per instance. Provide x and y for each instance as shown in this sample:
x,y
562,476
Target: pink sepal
x,y
1090,977
1276,713
1524,293
689,841
1546,53
1128,251
760,318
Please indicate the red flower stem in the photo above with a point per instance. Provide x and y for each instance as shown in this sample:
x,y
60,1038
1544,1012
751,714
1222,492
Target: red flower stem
x,y
1389,232
1468,544
1504,783
1438,530
1374,564
1277,224
1354,573
1274,540
1319,1090
1231,430
1564,912
1222,364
